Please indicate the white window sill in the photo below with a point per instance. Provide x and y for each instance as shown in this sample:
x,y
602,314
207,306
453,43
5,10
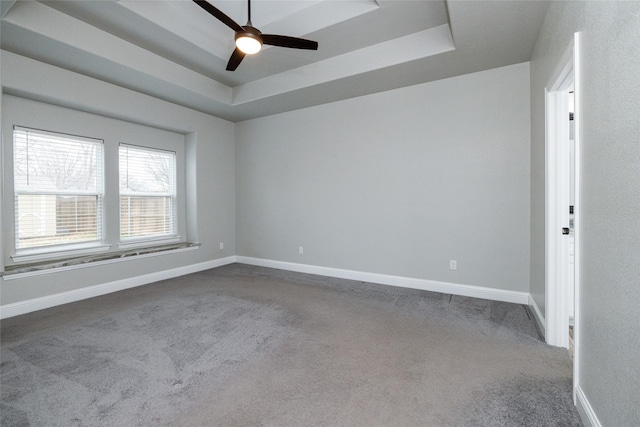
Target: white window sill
x,y
40,268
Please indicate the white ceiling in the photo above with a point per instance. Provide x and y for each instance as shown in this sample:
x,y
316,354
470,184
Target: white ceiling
x,y
176,51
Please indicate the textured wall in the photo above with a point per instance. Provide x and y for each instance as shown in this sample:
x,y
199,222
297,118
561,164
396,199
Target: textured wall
x,y
610,191
396,183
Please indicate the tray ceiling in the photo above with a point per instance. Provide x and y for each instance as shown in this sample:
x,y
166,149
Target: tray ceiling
x,y
174,50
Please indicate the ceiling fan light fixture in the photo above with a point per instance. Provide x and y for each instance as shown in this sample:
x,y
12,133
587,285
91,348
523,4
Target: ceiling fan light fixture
x,y
249,39
248,42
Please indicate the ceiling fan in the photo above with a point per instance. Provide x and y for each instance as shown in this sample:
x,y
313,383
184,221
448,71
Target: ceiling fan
x,y
249,40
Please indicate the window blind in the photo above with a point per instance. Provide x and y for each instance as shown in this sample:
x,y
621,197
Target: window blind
x,y
147,192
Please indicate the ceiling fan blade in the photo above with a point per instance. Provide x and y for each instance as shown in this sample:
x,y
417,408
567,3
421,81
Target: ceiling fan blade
x,y
286,41
219,14
236,58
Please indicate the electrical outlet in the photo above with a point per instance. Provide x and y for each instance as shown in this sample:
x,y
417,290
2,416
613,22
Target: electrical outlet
x,y
453,264
221,245
300,250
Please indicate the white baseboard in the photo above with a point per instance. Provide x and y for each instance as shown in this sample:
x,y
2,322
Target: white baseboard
x,y
587,414
405,282
28,306
538,315
24,307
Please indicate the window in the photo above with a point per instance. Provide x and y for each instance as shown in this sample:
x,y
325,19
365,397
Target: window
x,y
147,193
117,191
58,189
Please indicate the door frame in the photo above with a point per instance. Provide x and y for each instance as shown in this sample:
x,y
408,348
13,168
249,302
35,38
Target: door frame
x,y
556,199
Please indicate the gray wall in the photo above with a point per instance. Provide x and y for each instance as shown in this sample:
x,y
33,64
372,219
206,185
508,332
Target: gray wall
x,y
396,183
210,171
609,368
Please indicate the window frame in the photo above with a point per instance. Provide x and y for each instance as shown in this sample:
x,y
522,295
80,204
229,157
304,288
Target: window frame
x,y
129,242
27,253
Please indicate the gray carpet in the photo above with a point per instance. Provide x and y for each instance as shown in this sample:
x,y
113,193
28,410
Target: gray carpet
x,y
249,346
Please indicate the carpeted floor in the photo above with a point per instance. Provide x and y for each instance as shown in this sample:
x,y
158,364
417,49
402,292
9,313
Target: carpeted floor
x,y
249,346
